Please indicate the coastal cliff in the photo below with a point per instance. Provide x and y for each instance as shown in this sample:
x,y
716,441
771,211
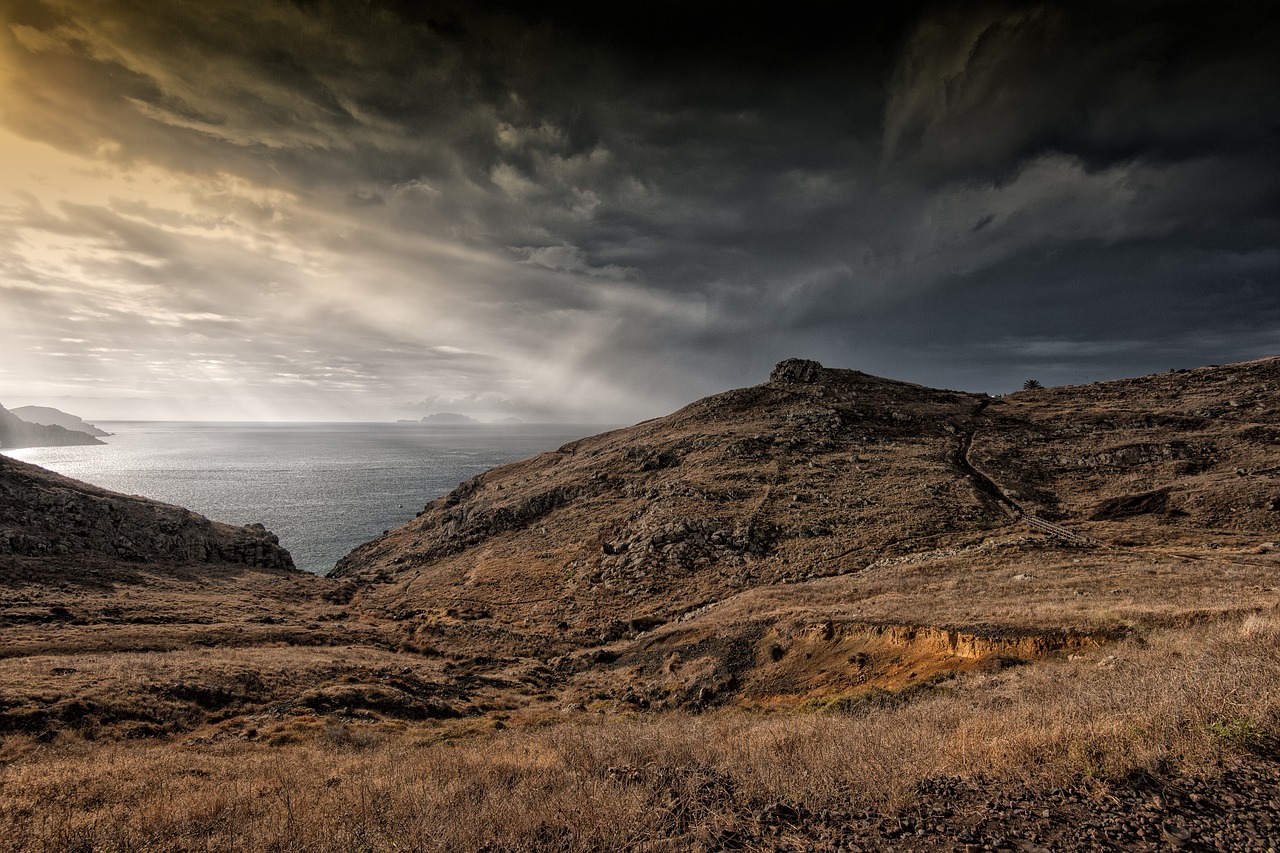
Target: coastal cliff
x,y
49,416
16,433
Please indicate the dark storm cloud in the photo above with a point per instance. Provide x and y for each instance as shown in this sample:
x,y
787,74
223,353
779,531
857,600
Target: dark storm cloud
x,y
623,208
977,90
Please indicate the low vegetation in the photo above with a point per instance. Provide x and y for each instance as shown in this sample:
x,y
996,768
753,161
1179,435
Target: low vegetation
x,y
1171,703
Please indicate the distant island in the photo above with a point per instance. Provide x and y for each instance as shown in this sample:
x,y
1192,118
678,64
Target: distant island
x,y
16,432
49,416
448,418
455,419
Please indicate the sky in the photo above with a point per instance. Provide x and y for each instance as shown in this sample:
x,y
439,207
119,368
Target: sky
x,y
588,212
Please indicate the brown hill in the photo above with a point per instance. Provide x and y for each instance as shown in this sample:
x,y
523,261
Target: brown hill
x,y
828,515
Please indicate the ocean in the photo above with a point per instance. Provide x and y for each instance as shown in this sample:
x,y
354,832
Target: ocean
x,y
322,488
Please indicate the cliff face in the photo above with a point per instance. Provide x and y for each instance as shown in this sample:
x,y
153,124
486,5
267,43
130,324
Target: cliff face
x,y
15,433
43,514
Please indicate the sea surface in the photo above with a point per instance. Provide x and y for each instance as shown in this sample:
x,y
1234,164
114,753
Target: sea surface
x,y
322,488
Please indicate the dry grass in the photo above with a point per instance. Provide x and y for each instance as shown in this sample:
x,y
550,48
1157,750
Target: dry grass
x,y
1174,701
1016,580
70,607
136,694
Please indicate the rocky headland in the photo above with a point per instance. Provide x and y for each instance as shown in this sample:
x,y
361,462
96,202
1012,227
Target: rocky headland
x,y
16,432
49,416
832,510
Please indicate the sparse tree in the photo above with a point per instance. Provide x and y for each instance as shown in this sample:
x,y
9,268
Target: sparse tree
x,y
1031,385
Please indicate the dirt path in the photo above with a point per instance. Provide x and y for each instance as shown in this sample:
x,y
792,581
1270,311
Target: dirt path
x,y
984,484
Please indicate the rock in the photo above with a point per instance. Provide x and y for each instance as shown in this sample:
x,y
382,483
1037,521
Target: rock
x,y
796,370
1127,506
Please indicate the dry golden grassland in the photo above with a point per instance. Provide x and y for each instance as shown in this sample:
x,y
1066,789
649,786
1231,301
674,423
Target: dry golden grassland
x,y
1016,580
1171,701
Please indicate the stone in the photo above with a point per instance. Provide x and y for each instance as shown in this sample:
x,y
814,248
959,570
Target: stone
x,y
800,370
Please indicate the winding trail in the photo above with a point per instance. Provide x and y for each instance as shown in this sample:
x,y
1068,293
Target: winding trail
x,y
987,486
984,484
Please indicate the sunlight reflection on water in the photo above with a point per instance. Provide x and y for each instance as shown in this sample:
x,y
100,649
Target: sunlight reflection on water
x,y
322,488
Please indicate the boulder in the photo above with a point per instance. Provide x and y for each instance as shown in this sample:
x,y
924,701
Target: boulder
x,y
799,370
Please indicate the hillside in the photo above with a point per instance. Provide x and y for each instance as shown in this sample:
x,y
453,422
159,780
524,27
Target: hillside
x,y
831,611
49,416
15,433
835,513
43,514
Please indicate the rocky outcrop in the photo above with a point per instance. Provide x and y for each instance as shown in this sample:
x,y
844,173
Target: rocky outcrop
x,y
796,370
45,515
463,525
1127,506
15,433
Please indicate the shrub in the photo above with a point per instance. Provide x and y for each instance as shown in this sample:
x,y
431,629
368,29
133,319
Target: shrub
x,y
1239,732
